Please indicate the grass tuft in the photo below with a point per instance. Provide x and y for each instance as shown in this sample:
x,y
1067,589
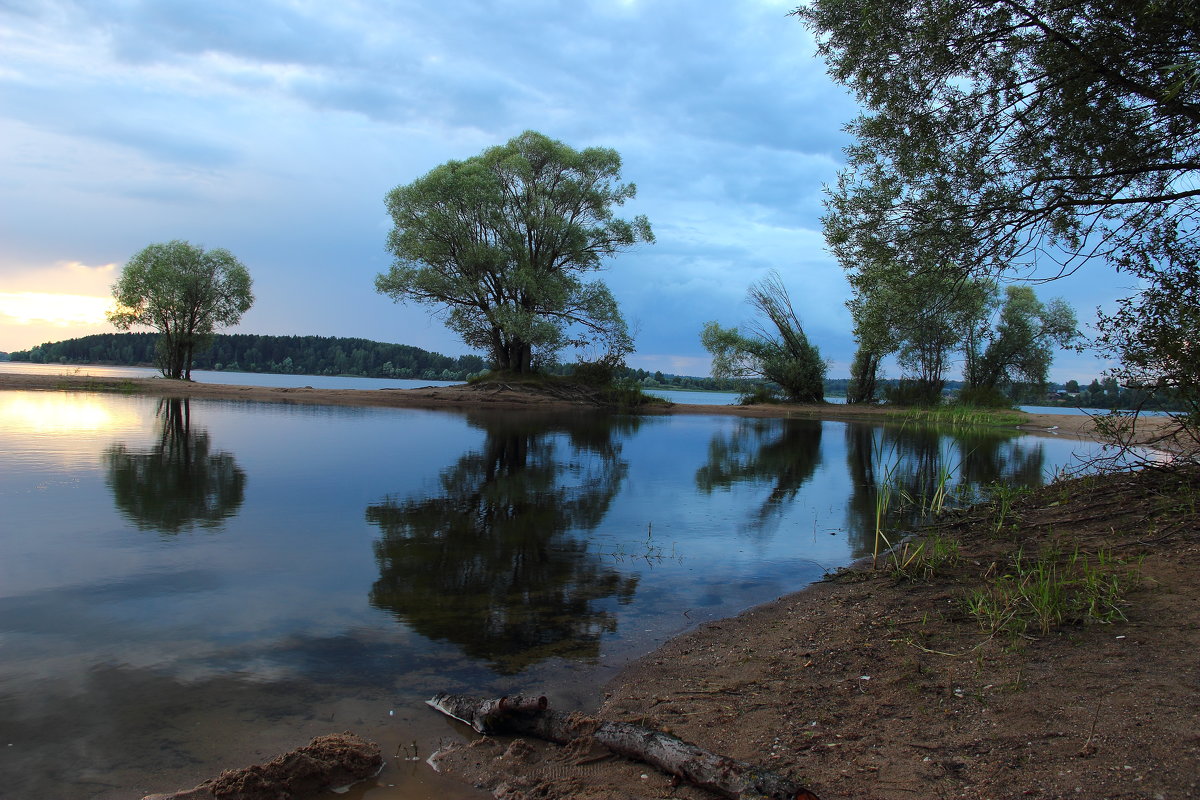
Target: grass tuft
x,y
1051,590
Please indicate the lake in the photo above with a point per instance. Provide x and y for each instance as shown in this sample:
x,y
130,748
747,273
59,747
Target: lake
x,y
190,586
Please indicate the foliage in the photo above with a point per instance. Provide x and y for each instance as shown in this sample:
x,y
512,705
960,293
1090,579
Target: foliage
x,y
920,312
185,292
501,241
776,349
1020,349
863,386
925,315
1004,134
1156,333
1036,126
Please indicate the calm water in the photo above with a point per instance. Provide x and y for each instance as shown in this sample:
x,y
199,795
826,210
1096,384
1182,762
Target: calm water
x,y
191,586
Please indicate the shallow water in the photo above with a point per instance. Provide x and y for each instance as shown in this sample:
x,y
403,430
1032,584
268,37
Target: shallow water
x,y
189,586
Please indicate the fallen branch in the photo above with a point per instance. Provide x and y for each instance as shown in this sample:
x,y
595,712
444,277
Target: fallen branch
x,y
530,716
327,762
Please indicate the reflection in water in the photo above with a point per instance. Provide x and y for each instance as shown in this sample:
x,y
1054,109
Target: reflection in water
x,y
178,484
782,453
488,561
913,461
59,414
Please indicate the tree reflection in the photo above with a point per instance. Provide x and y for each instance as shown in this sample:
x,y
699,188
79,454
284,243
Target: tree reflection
x,y
783,454
912,462
488,562
179,483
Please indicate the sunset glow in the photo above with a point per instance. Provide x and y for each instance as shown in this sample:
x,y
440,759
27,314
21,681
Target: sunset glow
x,y
60,413
25,308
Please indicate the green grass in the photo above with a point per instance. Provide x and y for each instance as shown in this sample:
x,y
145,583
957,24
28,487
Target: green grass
x,y
1051,590
922,560
1003,497
960,416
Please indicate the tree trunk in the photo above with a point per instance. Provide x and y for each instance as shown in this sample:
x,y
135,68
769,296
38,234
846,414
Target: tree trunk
x,y
520,715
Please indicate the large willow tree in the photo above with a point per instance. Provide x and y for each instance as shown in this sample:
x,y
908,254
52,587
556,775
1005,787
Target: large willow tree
x,y
503,242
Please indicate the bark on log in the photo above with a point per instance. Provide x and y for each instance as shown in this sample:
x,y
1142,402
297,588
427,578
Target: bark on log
x,y
530,716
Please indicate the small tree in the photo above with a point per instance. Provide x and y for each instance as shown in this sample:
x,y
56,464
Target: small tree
x,y
185,292
777,348
501,243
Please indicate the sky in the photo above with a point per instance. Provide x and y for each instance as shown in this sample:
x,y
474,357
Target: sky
x,y
274,128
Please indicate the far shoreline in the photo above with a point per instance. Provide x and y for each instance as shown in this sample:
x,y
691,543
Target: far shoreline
x,y
466,397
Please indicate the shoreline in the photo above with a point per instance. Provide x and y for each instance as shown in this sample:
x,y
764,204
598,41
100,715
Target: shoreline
x,y
869,685
500,396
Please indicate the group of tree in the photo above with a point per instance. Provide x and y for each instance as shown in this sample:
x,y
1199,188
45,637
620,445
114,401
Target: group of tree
x,y
1006,345
501,244
997,137
1107,393
239,352
1004,136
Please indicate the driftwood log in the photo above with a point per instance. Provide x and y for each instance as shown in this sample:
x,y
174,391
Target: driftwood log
x,y
530,716
326,762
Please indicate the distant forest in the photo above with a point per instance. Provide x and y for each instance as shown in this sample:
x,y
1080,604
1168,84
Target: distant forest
x,y
291,355
311,355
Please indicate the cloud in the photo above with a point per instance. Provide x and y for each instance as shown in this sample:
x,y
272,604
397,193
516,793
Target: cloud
x,y
275,128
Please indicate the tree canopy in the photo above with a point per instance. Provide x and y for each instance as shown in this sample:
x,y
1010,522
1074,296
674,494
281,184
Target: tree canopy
x,y
1000,130
501,243
1018,351
185,292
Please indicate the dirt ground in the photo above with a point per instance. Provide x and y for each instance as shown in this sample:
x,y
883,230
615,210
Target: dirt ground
x,y
880,682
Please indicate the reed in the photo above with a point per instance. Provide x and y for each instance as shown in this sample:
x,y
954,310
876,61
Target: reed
x,y
960,416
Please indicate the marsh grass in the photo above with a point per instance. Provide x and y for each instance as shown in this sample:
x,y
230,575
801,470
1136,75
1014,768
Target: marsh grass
x,y
960,416
891,494
1054,589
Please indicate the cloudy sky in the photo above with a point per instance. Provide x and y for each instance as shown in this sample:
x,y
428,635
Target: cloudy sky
x,y
273,128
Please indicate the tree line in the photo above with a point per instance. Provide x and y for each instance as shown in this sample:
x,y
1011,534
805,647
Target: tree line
x,y
319,355
294,355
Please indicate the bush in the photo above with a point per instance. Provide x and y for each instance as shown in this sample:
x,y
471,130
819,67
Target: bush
x,y
913,393
983,397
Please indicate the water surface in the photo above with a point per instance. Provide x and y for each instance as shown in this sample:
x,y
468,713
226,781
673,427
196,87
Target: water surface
x,y
187,586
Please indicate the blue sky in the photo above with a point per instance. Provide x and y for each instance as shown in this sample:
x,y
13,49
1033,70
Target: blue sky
x,y
274,129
